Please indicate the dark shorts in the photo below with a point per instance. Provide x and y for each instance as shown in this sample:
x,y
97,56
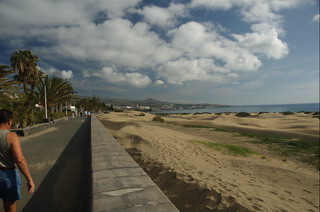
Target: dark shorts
x,y
10,183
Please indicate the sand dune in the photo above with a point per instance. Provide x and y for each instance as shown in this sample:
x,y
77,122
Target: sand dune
x,y
197,178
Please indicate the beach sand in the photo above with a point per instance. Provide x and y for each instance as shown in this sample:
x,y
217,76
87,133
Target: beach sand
x,y
198,178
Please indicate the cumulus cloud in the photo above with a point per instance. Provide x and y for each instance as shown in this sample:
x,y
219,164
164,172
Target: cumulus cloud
x,y
66,74
163,17
85,74
49,71
316,18
158,83
117,41
267,24
134,79
263,41
182,70
195,40
212,4
99,32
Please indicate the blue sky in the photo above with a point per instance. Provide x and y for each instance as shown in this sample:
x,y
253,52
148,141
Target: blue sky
x,y
236,52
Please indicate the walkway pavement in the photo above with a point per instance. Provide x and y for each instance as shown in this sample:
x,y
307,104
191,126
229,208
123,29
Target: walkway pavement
x,y
59,161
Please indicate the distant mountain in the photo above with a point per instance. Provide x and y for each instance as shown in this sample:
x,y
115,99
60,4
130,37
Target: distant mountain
x,y
150,100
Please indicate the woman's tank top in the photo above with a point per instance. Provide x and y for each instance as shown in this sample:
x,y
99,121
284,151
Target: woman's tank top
x,y
6,158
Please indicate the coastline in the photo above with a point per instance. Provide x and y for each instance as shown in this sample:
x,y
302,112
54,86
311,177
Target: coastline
x,y
174,157
272,108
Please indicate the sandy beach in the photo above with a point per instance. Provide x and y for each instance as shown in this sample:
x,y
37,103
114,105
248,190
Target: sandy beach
x,y
196,177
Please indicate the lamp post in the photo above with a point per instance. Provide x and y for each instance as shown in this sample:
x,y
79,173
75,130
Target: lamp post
x,y
45,101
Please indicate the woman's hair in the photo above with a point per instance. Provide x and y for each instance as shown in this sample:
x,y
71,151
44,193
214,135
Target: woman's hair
x,y
5,116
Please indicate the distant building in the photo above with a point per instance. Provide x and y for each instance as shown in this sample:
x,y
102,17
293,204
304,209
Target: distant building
x,y
70,108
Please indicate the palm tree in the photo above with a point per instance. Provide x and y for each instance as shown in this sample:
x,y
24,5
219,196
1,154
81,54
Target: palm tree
x,y
5,83
34,79
25,62
57,91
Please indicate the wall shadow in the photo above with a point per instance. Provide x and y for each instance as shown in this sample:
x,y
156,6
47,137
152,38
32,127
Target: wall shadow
x,y
67,186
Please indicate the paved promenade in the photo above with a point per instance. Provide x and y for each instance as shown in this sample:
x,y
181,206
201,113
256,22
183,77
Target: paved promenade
x,y
59,161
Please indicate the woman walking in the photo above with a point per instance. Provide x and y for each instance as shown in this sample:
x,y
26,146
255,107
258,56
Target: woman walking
x,y
11,158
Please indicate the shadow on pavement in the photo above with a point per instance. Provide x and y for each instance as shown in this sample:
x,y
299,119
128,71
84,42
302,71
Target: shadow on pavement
x,y
67,186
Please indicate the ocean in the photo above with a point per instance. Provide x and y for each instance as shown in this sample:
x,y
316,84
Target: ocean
x,y
309,107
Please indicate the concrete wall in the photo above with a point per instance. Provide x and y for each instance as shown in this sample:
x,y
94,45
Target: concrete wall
x,y
36,128
118,183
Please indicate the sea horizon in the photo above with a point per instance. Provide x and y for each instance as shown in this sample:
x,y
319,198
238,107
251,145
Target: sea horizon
x,y
271,108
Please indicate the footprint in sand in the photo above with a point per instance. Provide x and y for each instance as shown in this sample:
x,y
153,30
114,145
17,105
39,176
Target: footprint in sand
x,y
233,185
256,208
273,192
260,200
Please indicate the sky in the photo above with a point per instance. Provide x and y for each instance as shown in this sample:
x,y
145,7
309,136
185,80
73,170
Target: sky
x,y
236,52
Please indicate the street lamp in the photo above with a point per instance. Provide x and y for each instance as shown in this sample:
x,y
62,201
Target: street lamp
x,y
45,102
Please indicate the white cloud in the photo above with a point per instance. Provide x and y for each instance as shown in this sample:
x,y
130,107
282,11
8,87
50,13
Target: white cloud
x,y
85,74
66,74
256,83
212,4
158,83
190,51
163,17
266,28
117,41
195,40
133,79
316,18
263,41
49,71
18,17
183,70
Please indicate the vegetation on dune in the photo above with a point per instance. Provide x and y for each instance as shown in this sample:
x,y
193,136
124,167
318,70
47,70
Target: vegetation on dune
x,y
194,126
162,114
307,151
243,114
303,150
287,113
158,118
141,114
228,148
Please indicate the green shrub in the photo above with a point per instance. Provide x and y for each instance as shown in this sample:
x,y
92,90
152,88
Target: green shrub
x,y
228,148
243,114
118,110
262,113
158,118
162,114
287,113
57,115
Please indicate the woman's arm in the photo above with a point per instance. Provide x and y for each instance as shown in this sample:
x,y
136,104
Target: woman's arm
x,y
21,162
